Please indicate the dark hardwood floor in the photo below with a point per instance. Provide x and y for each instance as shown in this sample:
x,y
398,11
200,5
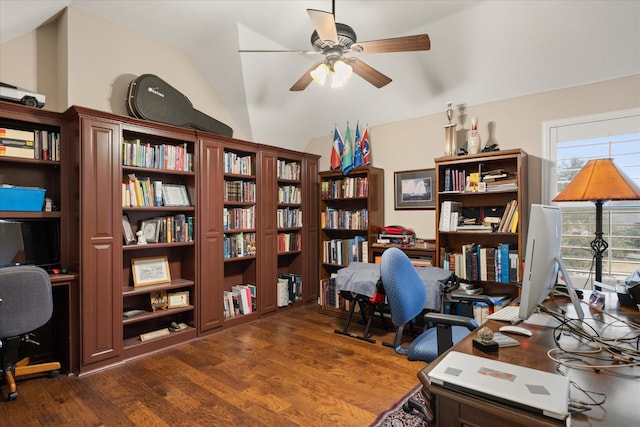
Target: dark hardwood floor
x,y
290,369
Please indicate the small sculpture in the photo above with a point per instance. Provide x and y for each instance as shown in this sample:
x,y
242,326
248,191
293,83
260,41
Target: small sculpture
x,y
485,334
485,342
141,239
474,139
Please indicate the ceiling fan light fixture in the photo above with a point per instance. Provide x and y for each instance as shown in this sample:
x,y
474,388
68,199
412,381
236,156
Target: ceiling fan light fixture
x,y
341,73
319,75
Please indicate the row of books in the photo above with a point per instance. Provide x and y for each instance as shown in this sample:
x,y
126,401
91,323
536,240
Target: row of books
x,y
168,229
238,245
477,263
348,187
239,218
240,300
330,296
38,144
509,221
156,156
240,191
461,180
289,289
344,251
139,192
289,194
288,170
344,219
288,217
288,242
237,164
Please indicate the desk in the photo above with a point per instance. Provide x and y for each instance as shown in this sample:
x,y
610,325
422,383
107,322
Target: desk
x,y
621,386
59,338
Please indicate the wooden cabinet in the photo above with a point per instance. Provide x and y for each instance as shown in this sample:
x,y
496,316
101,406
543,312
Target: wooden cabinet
x,y
218,229
458,180
351,216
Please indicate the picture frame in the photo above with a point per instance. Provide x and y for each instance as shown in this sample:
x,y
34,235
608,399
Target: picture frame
x,y
150,271
150,230
159,300
415,189
175,195
127,231
178,299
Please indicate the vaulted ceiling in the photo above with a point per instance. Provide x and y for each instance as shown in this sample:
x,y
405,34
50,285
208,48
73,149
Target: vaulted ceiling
x,y
480,51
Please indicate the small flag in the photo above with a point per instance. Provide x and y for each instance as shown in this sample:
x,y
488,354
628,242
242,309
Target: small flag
x,y
366,150
347,152
336,149
357,149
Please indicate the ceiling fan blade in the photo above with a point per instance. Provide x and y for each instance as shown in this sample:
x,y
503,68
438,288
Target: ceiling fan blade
x,y
305,80
369,73
325,25
398,44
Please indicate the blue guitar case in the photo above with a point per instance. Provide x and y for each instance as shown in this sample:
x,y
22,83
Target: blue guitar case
x,y
151,98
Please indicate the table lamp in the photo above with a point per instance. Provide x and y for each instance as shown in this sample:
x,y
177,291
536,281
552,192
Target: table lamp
x,y
599,181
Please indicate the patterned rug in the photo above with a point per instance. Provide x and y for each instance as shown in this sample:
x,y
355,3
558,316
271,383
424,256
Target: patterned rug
x,y
396,417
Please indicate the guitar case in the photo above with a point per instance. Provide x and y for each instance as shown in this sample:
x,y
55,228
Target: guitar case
x,y
151,98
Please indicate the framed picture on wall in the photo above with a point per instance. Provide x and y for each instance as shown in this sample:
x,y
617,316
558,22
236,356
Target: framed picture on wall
x,y
415,189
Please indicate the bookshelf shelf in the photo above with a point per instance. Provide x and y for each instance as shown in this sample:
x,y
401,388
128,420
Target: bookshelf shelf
x,y
457,246
351,216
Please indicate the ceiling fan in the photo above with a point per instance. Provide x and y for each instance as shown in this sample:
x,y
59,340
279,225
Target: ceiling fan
x,y
334,40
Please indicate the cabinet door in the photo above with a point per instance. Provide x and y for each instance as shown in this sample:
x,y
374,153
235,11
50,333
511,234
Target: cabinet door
x,y
268,242
100,249
310,236
211,263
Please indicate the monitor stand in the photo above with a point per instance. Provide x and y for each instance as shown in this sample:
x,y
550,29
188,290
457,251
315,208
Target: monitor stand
x,y
549,321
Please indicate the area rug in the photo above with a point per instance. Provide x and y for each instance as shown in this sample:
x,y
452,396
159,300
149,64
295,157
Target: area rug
x,y
396,417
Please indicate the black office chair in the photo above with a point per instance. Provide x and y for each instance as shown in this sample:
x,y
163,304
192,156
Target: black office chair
x,y
406,296
26,304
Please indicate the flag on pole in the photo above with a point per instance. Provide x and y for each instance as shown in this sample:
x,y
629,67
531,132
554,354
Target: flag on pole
x,y
336,149
347,152
357,149
366,150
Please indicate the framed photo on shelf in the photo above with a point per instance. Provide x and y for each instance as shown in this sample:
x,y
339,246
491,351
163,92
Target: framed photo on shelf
x,y
175,195
150,230
150,271
415,189
178,299
127,232
159,300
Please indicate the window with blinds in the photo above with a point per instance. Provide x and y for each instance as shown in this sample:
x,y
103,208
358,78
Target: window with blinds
x,y
568,145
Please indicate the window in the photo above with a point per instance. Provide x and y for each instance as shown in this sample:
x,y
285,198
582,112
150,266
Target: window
x,y
568,145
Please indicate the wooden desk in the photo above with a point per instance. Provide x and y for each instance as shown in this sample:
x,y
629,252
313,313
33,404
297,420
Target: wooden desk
x,y
65,321
621,385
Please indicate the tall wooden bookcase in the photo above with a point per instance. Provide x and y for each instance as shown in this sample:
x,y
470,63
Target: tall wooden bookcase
x,y
449,240
351,216
88,187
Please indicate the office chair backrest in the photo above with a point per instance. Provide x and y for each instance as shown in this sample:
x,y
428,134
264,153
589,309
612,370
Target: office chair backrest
x,y
404,287
27,303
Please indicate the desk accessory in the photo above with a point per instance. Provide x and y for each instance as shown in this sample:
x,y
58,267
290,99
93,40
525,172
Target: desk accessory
x,y
485,341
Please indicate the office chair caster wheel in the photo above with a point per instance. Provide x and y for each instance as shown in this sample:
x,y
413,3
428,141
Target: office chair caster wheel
x,y
12,396
54,373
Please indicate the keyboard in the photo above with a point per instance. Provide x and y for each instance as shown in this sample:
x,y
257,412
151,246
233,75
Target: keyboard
x,y
510,313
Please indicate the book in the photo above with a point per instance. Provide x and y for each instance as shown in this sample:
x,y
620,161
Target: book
x,y
24,135
283,292
21,152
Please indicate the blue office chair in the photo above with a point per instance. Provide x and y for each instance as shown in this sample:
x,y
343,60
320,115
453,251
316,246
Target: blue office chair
x,y
406,296
26,304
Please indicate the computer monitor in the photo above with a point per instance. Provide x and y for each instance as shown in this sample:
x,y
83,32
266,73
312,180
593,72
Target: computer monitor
x,y
541,265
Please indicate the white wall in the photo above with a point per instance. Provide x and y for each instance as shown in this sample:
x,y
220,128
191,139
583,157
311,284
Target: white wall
x,y
514,123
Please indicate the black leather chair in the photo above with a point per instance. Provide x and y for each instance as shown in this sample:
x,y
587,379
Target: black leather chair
x,y
406,296
26,304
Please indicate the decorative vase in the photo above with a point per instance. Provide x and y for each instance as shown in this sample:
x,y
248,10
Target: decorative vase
x,y
450,145
474,140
